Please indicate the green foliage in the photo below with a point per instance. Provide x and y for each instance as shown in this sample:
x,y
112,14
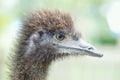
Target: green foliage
x,y
105,39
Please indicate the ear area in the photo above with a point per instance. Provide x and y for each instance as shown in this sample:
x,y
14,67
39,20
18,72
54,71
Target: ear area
x,y
37,35
41,32
31,43
34,40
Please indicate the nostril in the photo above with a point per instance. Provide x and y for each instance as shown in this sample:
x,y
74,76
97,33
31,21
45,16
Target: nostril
x,y
90,48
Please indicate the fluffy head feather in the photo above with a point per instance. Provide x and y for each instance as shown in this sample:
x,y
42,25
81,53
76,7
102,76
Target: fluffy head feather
x,y
46,19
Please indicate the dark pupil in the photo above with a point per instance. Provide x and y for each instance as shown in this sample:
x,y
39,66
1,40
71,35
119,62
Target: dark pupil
x,y
60,36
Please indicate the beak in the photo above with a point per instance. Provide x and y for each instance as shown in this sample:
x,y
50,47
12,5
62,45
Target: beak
x,y
81,47
89,49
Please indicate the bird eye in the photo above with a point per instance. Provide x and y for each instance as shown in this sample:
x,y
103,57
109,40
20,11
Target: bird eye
x,y
60,36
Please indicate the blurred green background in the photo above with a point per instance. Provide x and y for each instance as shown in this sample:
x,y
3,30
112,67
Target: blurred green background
x,y
97,20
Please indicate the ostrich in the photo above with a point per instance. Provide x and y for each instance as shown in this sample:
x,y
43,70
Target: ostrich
x,y
45,36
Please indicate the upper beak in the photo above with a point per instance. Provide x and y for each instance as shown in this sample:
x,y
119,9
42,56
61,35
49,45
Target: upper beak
x,y
89,49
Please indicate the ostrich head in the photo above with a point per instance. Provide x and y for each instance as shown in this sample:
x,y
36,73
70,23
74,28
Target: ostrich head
x,y
52,33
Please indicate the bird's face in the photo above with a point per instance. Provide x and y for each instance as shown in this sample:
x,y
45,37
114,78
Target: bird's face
x,y
65,42
71,43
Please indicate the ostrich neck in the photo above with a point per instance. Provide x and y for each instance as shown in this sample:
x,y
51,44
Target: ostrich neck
x,y
32,67
34,64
